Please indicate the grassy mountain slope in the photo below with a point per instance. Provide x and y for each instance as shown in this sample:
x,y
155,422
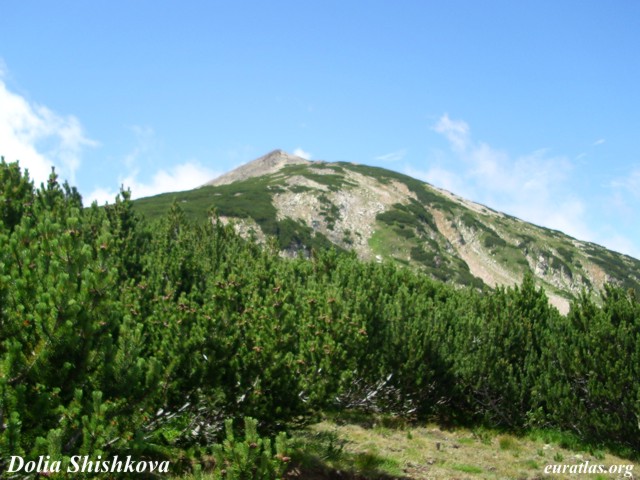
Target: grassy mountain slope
x,y
385,215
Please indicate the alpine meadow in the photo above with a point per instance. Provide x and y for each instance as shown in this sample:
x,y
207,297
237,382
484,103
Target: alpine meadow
x,y
208,328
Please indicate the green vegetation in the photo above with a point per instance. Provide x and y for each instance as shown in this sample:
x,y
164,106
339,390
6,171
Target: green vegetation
x,y
466,468
329,211
558,264
300,189
414,227
511,243
335,181
492,241
425,193
132,337
507,442
526,241
618,266
472,222
513,257
296,236
428,258
566,253
250,457
373,446
251,198
412,216
386,242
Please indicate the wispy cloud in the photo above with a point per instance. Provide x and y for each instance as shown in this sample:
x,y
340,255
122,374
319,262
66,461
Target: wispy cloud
x,y
456,131
443,178
145,136
622,205
599,142
298,152
144,181
38,137
536,187
629,184
531,186
392,156
185,176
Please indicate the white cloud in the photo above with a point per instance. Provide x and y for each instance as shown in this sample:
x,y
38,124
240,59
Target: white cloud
x,y
38,137
184,176
298,152
392,156
443,178
599,142
532,187
100,195
565,215
457,132
143,181
536,187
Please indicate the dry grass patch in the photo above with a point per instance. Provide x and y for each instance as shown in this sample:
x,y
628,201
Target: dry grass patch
x,y
370,447
431,452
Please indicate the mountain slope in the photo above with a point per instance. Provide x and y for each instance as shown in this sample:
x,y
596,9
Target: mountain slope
x,y
385,215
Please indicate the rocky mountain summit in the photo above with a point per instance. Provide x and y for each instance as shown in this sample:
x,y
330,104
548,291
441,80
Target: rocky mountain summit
x,y
265,165
387,216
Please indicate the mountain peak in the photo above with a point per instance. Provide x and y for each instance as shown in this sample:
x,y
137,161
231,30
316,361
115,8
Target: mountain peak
x,y
385,215
265,165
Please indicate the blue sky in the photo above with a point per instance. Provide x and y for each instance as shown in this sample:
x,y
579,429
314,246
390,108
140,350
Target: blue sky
x,y
532,108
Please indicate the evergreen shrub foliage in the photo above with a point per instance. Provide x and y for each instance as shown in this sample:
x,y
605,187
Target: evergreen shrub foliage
x,y
250,458
119,336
